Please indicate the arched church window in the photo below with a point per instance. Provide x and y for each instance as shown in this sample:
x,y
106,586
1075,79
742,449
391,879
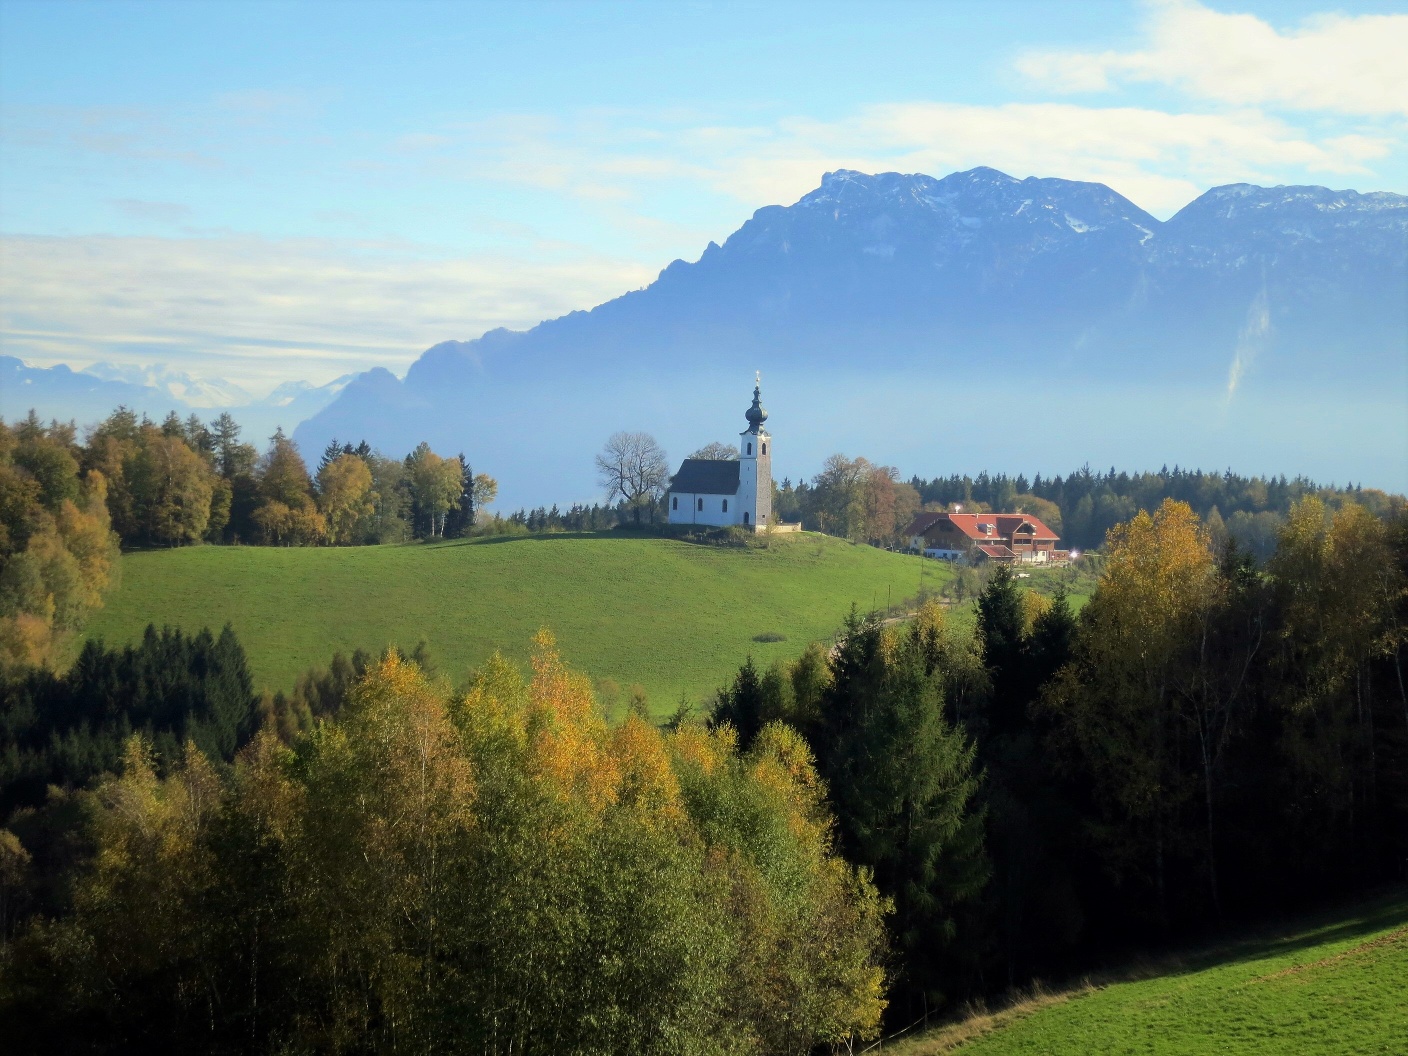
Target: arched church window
x,y
745,516
725,505
701,506
750,448
675,502
764,448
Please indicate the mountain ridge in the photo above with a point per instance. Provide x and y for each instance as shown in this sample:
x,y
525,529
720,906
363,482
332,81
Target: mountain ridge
x,y
1076,238
976,280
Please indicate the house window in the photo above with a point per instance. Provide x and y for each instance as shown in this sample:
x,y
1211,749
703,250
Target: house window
x,y
675,502
725,505
750,449
701,506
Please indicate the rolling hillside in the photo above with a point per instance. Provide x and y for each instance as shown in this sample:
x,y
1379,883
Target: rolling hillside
x,y
672,616
1334,985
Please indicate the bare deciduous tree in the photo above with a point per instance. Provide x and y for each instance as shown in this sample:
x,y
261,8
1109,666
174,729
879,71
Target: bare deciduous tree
x,y
633,466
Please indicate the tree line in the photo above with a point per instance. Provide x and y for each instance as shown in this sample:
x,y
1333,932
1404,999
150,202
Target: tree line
x,y
1085,505
184,482
865,501
1206,741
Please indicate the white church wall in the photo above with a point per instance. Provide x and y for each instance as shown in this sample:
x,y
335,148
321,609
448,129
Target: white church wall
x,y
714,510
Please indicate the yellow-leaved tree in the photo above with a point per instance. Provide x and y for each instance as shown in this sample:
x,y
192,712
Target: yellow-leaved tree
x,y
495,871
345,495
1117,705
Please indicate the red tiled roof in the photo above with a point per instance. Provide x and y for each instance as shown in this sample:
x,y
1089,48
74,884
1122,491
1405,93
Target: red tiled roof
x,y
968,524
1004,525
1007,523
922,521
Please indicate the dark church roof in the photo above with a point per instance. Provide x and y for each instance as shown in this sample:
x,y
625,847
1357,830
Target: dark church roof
x,y
707,476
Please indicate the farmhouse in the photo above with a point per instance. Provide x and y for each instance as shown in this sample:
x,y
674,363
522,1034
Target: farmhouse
x,y
980,537
724,491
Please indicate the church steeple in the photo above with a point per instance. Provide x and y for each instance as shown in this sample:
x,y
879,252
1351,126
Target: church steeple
x,y
755,465
755,414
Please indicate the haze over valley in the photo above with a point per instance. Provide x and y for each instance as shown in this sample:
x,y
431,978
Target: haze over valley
x,y
1258,328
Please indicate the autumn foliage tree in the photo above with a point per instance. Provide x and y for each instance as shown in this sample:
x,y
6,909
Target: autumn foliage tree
x,y
1119,701
492,871
437,486
345,496
58,554
859,500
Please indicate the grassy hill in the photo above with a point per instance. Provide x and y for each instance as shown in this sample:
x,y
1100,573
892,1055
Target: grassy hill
x,y
672,616
1333,986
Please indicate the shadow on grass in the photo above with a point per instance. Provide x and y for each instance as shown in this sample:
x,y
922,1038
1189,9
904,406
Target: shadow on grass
x,y
1286,938
1353,918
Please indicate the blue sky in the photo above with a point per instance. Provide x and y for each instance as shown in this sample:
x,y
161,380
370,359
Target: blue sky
x,y
265,191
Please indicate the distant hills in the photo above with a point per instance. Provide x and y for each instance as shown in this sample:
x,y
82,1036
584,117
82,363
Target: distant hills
x,y
947,300
92,393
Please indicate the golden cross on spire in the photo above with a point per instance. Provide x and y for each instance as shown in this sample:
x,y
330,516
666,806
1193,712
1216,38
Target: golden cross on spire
x,y
758,378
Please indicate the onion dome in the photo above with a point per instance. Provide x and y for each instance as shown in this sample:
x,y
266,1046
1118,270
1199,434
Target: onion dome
x,y
755,414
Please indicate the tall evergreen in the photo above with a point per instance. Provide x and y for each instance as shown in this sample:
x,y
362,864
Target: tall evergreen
x,y
903,780
1031,910
741,705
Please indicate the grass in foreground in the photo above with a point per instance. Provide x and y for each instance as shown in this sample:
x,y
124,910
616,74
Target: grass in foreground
x,y
1336,986
672,616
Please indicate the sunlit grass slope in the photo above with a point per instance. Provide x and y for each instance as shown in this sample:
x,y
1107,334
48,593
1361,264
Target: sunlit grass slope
x,y
669,615
1337,986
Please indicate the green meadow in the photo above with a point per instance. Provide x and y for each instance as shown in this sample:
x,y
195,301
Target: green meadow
x,y
672,616
1337,985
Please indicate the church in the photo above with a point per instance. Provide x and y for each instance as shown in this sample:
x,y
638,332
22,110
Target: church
x,y
726,491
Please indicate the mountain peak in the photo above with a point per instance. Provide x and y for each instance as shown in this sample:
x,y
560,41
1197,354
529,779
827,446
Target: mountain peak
x,y
1235,208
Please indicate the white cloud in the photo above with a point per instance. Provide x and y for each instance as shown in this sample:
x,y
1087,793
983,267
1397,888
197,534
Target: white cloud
x,y
1159,160
260,311
1344,64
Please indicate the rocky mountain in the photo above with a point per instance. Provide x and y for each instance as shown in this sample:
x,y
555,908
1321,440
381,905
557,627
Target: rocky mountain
x,y
976,287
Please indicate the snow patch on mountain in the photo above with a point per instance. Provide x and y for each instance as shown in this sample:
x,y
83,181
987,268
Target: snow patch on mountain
x,y
178,384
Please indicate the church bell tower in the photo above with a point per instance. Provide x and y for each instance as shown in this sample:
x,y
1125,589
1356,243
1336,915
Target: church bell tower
x,y
755,465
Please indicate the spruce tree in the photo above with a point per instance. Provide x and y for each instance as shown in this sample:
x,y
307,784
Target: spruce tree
x,y
1002,633
903,781
741,705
